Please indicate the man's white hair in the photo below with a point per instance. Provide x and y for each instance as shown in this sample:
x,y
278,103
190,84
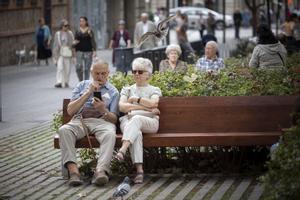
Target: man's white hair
x,y
99,62
144,15
213,44
173,47
142,64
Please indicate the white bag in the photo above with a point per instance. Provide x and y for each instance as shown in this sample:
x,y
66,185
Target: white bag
x,y
141,113
65,51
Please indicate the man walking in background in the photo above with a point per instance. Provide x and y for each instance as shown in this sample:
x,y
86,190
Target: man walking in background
x,y
143,27
237,18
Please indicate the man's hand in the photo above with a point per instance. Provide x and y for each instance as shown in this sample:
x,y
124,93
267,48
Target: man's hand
x,y
94,87
99,105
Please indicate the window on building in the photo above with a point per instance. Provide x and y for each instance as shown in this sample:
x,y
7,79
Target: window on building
x,y
20,3
33,2
4,3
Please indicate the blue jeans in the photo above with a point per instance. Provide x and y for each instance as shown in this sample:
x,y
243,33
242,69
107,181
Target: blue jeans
x,y
83,64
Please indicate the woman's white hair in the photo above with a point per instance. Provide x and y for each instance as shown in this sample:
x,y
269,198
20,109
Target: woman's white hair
x,y
173,47
213,44
142,64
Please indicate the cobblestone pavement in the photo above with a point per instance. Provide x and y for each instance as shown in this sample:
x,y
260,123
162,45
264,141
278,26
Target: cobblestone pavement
x,y
30,169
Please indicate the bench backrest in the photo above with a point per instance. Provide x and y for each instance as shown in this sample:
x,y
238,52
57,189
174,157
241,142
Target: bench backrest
x,y
222,114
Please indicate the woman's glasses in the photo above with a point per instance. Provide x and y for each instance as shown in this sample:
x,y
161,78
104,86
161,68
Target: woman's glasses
x,y
138,71
67,25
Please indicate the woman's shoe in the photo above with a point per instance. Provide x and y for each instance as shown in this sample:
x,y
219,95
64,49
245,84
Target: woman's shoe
x,y
58,85
139,178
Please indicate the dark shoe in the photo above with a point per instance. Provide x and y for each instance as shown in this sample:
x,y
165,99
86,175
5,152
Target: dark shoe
x,y
75,180
58,85
100,178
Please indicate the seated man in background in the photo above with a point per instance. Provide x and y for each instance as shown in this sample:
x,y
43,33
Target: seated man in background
x,y
210,61
96,115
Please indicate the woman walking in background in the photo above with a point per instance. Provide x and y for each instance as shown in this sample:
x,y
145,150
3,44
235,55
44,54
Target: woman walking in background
x,y
43,40
120,39
85,47
182,27
63,53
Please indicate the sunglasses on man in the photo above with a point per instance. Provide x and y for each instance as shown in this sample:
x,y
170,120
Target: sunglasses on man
x,y
138,71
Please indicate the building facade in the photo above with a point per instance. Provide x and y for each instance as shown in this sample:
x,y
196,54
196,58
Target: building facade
x,y
19,19
103,16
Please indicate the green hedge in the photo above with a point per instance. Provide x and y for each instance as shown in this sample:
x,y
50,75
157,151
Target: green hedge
x,y
234,80
230,81
282,180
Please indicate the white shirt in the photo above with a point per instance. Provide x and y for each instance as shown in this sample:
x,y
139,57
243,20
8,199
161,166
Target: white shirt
x,y
145,28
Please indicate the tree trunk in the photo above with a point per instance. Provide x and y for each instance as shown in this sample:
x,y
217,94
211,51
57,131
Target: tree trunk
x,y
254,8
268,14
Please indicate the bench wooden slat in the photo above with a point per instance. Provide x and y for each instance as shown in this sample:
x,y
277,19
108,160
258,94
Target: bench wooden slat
x,y
206,121
193,139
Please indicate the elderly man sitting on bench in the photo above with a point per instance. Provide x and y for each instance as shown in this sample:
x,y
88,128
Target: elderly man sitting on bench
x,y
94,115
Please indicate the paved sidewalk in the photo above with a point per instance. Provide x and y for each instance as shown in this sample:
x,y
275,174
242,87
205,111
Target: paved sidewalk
x,y
28,95
30,169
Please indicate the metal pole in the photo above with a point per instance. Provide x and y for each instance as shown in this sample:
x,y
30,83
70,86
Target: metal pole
x,y
224,29
0,97
167,13
286,11
277,16
268,13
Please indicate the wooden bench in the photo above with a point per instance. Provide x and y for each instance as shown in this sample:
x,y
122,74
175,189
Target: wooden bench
x,y
207,121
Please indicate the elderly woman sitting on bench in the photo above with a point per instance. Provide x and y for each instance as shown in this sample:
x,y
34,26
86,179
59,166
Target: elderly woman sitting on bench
x,y
139,102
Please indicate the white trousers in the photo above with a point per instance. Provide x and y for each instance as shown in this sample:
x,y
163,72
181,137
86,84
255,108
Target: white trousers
x,y
63,70
105,133
133,129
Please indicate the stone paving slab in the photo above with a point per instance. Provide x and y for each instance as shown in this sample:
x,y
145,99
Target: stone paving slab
x,y
30,169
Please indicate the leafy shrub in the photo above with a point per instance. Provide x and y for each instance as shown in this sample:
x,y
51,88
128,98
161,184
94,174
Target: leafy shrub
x,y
293,60
230,81
282,180
243,48
235,80
56,121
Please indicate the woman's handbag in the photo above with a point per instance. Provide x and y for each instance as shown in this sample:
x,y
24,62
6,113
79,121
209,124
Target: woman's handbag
x,y
65,51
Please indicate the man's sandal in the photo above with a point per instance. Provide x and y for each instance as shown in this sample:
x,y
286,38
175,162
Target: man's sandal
x,y
120,156
139,178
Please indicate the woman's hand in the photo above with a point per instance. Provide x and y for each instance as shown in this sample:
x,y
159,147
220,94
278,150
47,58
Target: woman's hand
x,y
155,111
132,100
75,42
